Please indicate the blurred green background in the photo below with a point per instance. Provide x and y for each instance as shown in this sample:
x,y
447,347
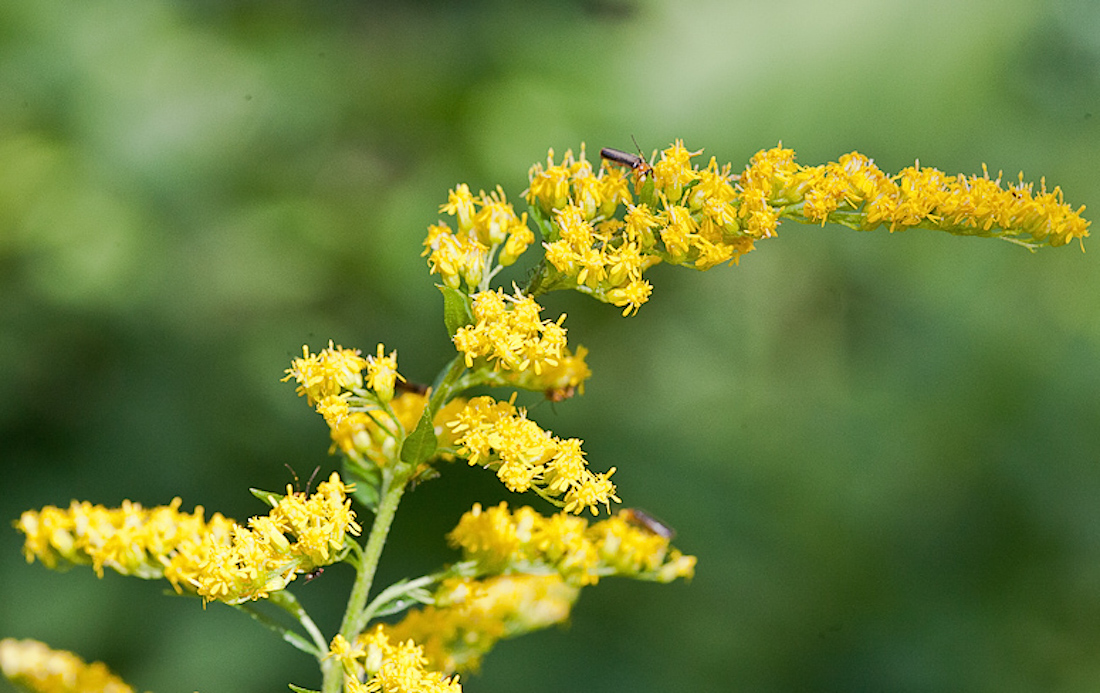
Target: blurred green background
x,y
884,449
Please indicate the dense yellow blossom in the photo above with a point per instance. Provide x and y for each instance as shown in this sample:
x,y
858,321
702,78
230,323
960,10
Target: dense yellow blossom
x,y
374,664
299,535
218,559
509,333
336,372
703,217
596,193
367,418
486,223
35,667
855,192
498,436
130,539
503,541
330,372
470,616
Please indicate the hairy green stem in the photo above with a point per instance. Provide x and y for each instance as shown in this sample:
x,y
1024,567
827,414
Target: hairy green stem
x,y
391,497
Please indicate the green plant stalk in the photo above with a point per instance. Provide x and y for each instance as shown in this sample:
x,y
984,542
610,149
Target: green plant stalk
x,y
285,600
445,388
332,671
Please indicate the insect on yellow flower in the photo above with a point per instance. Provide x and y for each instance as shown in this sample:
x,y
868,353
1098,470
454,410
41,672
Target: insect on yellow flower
x,y
643,520
634,161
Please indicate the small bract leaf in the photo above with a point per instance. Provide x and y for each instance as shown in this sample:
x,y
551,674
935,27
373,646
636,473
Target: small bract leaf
x,y
268,497
421,443
457,311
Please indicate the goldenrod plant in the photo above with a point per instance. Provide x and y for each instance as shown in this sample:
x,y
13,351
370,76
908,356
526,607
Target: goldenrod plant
x,y
600,228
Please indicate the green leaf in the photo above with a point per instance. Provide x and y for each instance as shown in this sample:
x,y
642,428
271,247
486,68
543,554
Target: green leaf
x,y
268,497
403,601
421,443
457,309
300,689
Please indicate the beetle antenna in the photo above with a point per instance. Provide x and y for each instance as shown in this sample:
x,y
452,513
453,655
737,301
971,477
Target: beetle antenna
x,y
295,474
312,477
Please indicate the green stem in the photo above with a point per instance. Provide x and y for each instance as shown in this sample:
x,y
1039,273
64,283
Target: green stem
x,y
442,391
317,648
332,670
285,600
393,592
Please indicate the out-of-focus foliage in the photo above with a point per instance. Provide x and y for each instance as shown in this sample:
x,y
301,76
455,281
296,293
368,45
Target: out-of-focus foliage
x,y
883,449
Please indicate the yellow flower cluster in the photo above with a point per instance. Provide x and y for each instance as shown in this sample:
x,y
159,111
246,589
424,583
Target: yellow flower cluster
x,y
299,535
501,541
130,540
35,667
574,182
485,223
470,616
356,396
336,371
685,215
509,333
218,559
498,436
386,667
329,372
855,192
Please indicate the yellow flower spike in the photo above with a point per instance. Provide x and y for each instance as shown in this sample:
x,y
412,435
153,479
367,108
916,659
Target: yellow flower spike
x,y
298,535
711,216
502,541
470,616
34,666
130,540
497,436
